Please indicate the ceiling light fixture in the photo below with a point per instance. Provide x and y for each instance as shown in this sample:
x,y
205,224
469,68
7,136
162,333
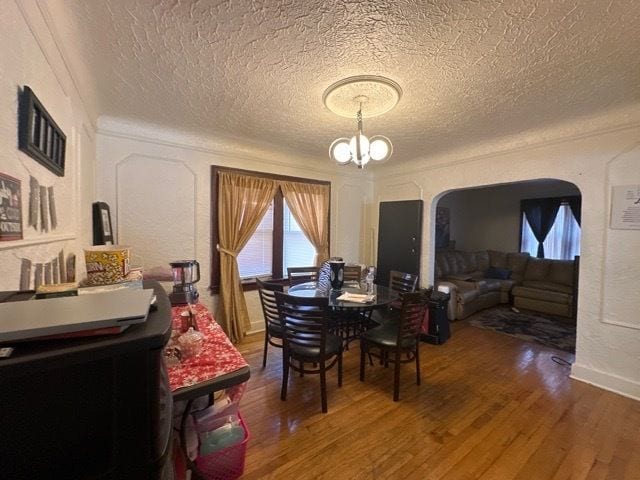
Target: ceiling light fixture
x,y
361,96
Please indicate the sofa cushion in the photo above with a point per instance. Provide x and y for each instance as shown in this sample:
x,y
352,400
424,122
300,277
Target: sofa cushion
x,y
482,260
492,284
497,259
544,295
561,272
463,277
465,296
517,263
506,285
537,269
442,263
499,273
546,285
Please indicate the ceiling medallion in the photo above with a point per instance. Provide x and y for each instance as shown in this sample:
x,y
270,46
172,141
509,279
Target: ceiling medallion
x,y
362,96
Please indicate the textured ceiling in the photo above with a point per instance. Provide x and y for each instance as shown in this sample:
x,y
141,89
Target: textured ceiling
x,y
469,70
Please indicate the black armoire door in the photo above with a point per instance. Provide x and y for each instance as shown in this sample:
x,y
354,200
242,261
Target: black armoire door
x,y
399,234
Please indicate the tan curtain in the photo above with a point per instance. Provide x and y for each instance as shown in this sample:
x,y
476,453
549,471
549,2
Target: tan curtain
x,y
309,204
242,202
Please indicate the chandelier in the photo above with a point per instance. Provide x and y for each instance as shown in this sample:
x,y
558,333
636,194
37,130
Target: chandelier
x,y
361,96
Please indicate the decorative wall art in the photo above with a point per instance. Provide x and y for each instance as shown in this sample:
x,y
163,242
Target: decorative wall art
x,y
10,208
442,227
102,228
38,135
56,270
42,206
625,207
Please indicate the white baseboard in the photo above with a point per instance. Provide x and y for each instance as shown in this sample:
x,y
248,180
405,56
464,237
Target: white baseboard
x,y
256,327
607,381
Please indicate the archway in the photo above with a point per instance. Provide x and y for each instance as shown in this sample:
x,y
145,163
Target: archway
x,y
487,241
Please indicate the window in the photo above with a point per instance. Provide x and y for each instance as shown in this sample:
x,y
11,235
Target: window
x,y
297,250
256,258
277,243
563,240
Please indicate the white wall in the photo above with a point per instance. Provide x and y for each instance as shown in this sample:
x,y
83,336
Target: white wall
x,y
157,183
594,159
30,56
489,218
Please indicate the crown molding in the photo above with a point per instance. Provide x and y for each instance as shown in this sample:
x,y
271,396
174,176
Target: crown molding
x,y
226,148
419,165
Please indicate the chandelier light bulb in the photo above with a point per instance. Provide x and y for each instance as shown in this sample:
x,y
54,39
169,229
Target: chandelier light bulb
x,y
364,148
340,151
380,148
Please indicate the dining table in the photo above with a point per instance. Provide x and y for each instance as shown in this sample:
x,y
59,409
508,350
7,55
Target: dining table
x,y
348,318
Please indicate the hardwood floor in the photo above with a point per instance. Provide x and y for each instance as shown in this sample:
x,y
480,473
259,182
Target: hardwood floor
x,y
490,406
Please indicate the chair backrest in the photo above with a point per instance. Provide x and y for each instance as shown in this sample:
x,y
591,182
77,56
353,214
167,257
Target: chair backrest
x,y
352,273
303,320
298,275
267,290
412,313
402,282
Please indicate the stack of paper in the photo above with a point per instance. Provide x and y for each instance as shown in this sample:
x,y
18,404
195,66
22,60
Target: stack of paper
x,y
355,298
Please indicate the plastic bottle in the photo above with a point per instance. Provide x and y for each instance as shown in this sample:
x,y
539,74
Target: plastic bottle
x,y
369,280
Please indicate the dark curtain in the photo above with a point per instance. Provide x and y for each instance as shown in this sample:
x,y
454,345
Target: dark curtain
x,y
541,213
575,204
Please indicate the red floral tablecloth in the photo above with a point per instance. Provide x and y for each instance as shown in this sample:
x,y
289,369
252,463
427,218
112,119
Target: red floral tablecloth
x,y
217,357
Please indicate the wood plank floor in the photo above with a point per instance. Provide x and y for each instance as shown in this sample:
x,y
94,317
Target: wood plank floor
x,y
490,406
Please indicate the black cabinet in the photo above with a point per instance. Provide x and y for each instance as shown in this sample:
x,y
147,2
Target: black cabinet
x,y
399,238
95,408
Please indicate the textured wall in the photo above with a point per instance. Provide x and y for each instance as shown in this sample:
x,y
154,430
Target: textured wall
x,y
33,59
607,354
158,182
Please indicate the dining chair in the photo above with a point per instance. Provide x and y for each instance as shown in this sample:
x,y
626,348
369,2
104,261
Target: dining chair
x,y
299,275
401,283
308,346
391,340
352,273
272,328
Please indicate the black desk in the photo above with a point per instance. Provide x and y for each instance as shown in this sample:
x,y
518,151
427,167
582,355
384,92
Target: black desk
x,y
94,407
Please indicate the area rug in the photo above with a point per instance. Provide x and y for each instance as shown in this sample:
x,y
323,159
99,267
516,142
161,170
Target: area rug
x,y
549,330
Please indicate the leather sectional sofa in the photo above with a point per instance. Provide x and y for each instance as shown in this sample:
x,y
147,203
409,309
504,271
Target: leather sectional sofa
x,y
478,280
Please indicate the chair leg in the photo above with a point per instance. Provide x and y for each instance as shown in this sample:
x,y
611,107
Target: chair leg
x,y
285,376
266,344
417,364
323,386
362,352
340,369
396,378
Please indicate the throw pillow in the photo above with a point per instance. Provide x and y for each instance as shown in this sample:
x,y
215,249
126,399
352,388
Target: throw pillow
x,y
499,273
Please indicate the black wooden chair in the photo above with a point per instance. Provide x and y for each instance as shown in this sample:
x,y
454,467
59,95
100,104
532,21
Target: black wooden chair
x,y
391,340
401,283
299,275
352,273
307,340
272,328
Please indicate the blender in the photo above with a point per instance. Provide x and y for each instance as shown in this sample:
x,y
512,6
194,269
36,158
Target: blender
x,y
185,274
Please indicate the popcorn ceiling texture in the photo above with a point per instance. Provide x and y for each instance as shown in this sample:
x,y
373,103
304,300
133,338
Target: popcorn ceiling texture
x,y
257,70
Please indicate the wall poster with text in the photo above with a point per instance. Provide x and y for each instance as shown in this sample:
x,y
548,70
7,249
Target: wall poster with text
x,y
10,208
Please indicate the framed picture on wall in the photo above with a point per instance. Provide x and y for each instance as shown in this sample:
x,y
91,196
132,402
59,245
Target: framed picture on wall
x,y
102,227
10,208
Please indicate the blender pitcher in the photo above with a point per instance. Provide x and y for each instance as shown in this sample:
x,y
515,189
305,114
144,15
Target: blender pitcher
x,y
185,274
